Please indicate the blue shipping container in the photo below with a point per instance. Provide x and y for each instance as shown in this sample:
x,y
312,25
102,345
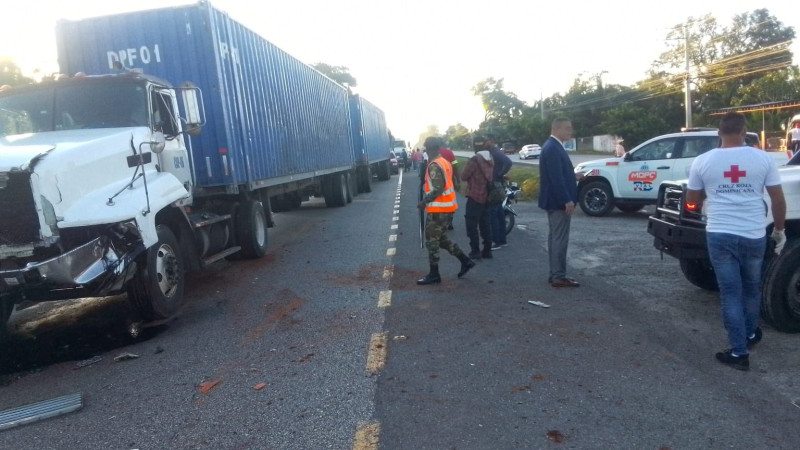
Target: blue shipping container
x,y
370,134
274,117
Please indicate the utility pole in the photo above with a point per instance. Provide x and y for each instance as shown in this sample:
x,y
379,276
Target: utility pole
x,y
688,99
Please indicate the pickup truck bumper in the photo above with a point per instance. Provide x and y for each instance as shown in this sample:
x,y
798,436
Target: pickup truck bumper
x,y
93,269
678,241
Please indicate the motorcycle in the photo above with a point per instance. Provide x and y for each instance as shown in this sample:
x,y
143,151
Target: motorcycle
x,y
513,192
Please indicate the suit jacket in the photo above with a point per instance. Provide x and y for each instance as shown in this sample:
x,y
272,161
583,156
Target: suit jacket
x,y
557,185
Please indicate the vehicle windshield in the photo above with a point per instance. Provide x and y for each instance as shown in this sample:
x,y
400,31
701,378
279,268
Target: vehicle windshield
x,y
74,106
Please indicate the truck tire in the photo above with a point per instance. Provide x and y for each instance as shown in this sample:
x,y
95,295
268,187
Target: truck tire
x,y
383,171
700,273
351,187
336,190
6,308
156,291
781,305
596,198
628,208
251,229
364,175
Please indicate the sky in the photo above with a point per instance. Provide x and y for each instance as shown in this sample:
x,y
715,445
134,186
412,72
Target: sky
x,y
418,59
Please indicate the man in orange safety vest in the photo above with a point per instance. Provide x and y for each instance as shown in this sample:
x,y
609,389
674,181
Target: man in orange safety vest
x,y
440,202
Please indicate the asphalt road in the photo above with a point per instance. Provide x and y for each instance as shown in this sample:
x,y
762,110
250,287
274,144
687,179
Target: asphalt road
x,y
624,361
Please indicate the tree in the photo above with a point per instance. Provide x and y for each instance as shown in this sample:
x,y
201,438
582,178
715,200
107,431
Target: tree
x,y
458,137
431,130
339,74
11,74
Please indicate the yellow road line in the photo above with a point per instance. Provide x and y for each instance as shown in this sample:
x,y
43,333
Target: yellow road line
x,y
391,251
388,271
392,237
367,436
384,299
376,357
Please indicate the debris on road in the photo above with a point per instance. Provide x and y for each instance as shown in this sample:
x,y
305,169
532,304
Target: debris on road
x,y
11,418
399,338
260,386
125,356
88,362
208,385
534,302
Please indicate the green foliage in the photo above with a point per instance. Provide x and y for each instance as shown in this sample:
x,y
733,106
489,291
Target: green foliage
x,y
339,74
747,62
11,74
458,137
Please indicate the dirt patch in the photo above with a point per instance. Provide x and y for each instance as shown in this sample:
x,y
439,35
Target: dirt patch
x,y
285,304
368,275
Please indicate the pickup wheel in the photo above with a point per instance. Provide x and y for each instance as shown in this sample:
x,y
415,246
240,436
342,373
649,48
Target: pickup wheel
x,y
700,273
596,198
629,209
781,305
156,291
251,229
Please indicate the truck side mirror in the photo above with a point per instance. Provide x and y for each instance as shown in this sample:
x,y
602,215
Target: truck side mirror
x,y
157,142
192,99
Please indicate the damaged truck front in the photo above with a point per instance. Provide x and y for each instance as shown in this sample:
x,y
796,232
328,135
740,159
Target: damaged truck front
x,y
91,170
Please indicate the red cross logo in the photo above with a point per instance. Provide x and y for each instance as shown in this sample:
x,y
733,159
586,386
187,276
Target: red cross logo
x,y
734,174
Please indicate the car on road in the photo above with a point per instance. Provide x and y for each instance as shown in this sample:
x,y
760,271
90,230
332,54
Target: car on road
x,y
394,163
631,182
399,153
509,148
530,151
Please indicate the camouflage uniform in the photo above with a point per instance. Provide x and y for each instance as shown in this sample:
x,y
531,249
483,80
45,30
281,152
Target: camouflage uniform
x,y
436,223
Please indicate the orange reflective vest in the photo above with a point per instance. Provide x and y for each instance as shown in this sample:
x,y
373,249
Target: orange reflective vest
x,y
445,203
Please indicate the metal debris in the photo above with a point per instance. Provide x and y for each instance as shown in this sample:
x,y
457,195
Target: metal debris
x,y
11,418
534,302
125,357
399,338
88,362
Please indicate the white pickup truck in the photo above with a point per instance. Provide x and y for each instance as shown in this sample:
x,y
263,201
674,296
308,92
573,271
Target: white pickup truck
x,y
631,182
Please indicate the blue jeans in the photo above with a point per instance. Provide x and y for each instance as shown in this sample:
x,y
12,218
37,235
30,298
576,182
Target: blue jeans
x,y
737,264
498,223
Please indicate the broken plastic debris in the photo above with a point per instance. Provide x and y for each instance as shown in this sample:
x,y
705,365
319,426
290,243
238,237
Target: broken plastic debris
x,y
88,362
208,385
125,356
260,386
399,338
534,302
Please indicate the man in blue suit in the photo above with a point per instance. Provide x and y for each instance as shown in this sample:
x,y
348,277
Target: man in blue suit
x,y
558,194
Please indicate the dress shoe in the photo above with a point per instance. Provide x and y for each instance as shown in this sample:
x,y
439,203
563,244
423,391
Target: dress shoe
x,y
564,282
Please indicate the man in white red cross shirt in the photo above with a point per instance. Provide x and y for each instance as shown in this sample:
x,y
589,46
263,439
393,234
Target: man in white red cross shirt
x,y
732,179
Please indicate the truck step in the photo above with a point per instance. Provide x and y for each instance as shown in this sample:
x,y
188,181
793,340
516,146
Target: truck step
x,y
11,418
206,219
213,258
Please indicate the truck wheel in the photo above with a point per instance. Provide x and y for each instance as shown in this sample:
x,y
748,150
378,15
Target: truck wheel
x,y
383,171
6,308
509,221
157,289
365,179
700,273
629,209
781,305
596,198
351,188
336,192
251,229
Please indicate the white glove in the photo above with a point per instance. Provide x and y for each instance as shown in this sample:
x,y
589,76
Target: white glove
x,y
779,236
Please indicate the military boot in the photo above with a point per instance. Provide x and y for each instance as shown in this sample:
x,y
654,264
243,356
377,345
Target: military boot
x,y
432,277
466,264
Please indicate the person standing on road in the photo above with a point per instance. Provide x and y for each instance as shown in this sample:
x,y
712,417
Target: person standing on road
x,y
448,154
732,180
478,173
502,164
558,194
440,202
619,151
794,136
416,158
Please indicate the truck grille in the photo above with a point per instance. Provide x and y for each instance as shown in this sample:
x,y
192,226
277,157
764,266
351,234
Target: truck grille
x,y
672,199
19,223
